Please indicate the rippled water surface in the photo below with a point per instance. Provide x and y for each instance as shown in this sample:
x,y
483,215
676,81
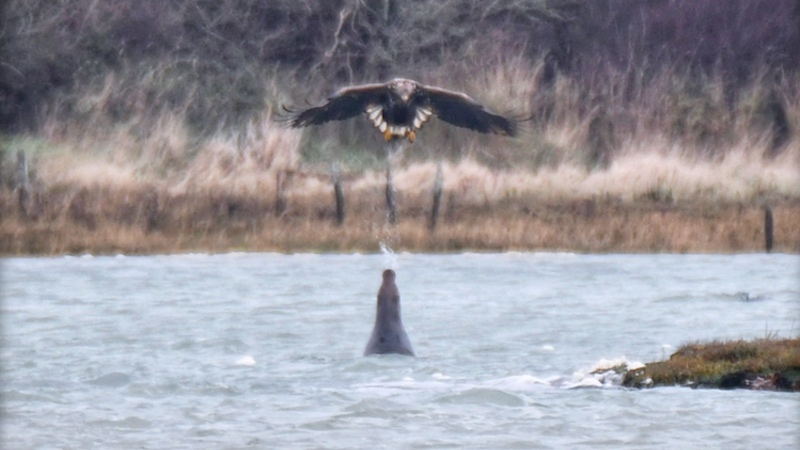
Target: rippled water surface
x,y
264,351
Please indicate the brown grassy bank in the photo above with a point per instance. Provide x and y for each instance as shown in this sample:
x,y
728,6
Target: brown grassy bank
x,y
770,364
676,166
112,189
109,190
147,220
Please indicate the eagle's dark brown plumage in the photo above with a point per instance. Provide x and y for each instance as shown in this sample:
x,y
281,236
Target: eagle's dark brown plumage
x,y
400,107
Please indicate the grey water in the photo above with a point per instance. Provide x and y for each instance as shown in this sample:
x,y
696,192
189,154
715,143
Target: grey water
x,y
265,351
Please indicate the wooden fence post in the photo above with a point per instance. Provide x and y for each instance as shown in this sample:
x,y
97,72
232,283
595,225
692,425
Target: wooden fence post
x,y
437,196
22,183
338,193
3,181
280,195
768,228
151,218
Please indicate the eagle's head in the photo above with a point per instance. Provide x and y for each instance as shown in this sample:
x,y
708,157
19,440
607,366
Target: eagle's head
x,y
404,88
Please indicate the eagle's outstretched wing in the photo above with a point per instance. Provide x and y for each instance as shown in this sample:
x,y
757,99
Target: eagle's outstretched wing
x,y
345,103
462,110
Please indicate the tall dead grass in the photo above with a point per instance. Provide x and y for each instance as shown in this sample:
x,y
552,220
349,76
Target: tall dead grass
x,y
660,165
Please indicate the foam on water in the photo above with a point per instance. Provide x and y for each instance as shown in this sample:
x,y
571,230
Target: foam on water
x,y
246,361
605,373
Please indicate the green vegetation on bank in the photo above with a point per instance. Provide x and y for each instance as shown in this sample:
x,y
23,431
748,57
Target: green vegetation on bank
x,y
766,364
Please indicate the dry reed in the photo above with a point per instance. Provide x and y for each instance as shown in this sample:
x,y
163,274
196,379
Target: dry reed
x,y
147,185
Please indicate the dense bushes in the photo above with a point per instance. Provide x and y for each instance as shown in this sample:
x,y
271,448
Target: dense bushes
x,y
219,62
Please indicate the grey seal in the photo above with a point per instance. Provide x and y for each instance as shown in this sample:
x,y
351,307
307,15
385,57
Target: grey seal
x,y
388,334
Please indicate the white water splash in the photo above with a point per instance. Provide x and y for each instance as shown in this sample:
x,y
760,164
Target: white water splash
x,y
605,373
389,256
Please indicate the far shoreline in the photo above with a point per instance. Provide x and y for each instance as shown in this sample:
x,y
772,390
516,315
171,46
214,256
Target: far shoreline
x,y
103,222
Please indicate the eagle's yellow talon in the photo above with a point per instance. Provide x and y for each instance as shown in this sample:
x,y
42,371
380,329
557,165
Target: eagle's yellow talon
x,y
388,135
411,136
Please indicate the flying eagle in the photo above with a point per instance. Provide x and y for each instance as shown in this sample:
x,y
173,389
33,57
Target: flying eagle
x,y
399,108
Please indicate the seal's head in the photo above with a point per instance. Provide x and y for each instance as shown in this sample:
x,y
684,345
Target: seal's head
x,y
388,276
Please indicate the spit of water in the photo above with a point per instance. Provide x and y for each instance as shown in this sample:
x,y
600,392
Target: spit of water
x,y
264,351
